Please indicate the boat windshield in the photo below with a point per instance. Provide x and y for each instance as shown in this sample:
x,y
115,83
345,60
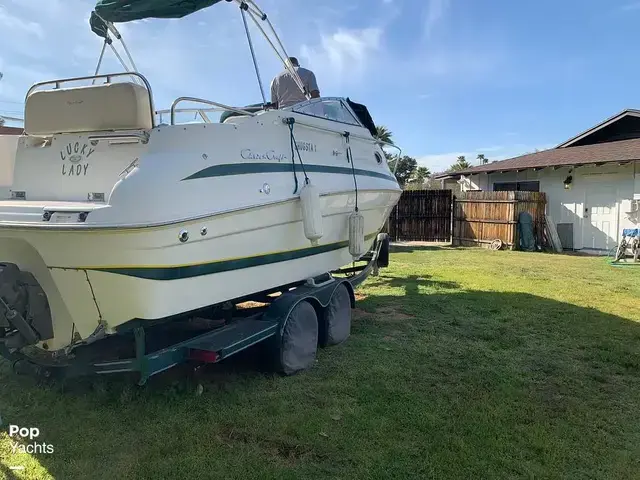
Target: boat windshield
x,y
327,108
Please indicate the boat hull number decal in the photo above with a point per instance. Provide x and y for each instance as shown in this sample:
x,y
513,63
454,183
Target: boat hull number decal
x,y
306,147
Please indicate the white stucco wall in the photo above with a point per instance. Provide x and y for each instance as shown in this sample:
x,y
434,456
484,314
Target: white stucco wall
x,y
8,146
568,206
636,189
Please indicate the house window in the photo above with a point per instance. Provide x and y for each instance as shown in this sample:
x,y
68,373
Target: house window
x,y
516,187
529,186
505,187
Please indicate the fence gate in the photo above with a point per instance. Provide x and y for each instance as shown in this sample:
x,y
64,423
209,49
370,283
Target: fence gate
x,y
422,216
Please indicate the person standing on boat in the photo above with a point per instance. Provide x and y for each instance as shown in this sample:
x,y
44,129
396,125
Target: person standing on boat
x,y
284,90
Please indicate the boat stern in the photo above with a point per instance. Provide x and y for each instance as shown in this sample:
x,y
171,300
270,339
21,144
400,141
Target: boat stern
x,y
25,314
32,309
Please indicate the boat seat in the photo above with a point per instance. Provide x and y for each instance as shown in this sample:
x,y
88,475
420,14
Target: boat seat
x,y
227,114
95,108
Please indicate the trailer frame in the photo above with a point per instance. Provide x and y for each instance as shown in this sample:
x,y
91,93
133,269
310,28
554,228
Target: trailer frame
x,y
239,332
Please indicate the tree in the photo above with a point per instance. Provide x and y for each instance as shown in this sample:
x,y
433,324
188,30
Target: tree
x,y
420,179
482,159
461,164
384,134
420,175
406,168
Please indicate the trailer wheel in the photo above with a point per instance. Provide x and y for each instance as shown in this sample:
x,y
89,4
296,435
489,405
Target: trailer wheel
x,y
336,325
299,344
383,256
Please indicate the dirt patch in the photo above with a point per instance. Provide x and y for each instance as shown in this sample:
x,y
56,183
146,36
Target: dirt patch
x,y
392,314
360,314
282,448
383,314
360,297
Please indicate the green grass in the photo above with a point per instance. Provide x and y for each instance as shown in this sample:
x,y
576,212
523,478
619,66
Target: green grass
x,y
461,364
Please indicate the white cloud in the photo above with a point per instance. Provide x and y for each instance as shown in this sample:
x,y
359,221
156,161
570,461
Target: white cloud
x,y
435,13
343,56
467,65
12,25
441,161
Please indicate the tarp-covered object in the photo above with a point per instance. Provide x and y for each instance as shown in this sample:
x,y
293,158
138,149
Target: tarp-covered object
x,y
338,317
121,11
525,232
299,339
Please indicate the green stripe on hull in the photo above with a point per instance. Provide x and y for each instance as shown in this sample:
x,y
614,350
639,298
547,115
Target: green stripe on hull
x,y
231,169
191,271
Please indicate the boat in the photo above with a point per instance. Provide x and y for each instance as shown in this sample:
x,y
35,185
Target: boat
x,y
119,215
8,144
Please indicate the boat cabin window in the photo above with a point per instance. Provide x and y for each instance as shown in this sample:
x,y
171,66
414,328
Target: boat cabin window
x,y
331,109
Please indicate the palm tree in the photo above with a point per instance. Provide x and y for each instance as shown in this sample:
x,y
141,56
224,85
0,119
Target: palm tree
x,y
482,159
420,175
461,164
384,134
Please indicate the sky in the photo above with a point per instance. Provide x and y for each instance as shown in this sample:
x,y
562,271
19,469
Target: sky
x,y
447,77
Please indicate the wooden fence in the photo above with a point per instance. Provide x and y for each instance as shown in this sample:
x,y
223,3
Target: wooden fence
x,y
479,218
423,216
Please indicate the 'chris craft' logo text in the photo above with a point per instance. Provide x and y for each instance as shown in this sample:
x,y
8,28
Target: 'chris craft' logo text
x,y
23,440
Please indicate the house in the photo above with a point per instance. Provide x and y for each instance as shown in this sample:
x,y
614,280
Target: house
x,y
592,182
5,130
449,181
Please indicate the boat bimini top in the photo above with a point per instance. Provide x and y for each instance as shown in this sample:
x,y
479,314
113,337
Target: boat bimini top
x,y
108,12
130,106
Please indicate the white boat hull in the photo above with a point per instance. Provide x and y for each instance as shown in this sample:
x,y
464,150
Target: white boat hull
x,y
110,277
201,214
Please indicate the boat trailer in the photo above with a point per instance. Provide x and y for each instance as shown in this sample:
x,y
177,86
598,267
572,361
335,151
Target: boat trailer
x,y
292,321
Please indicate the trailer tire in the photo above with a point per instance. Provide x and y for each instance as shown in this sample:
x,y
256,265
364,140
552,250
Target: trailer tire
x,y
299,343
383,256
336,324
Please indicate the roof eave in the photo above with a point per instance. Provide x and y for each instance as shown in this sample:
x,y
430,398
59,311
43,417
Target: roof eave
x,y
600,126
538,167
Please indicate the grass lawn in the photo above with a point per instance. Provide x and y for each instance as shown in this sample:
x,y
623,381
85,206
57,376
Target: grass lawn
x,y
461,364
